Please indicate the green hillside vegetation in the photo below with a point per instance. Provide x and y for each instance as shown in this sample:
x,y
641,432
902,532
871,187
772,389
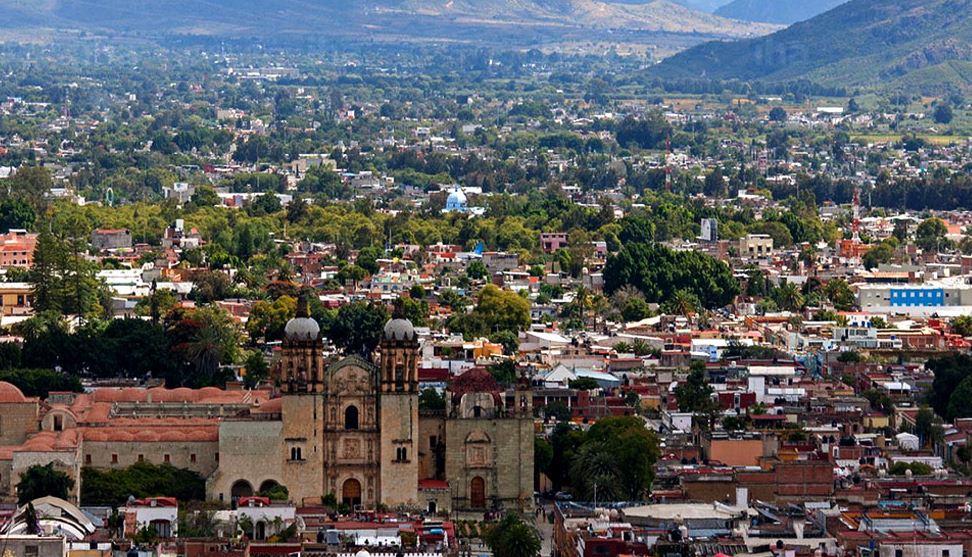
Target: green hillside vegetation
x,y
864,43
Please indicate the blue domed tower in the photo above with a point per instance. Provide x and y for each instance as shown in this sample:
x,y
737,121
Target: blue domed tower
x,y
457,202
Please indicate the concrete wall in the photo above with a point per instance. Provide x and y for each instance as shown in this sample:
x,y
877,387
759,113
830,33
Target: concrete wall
x,y
122,454
301,429
17,421
250,451
399,432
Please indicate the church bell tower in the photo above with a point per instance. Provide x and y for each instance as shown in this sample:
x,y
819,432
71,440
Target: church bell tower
x,y
399,414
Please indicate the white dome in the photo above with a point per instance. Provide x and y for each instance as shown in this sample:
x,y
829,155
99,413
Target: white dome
x,y
456,198
399,329
362,553
302,328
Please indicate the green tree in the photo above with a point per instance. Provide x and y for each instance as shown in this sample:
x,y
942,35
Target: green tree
x,y
788,297
930,235
618,454
431,399
210,286
40,382
257,369
31,184
840,294
413,309
204,339
659,273
142,479
501,310
943,114
777,114
558,411
584,384
476,270
566,441
46,275
513,537
158,303
266,204
635,309
879,254
924,421
695,394
960,401
509,340
42,481
204,196
950,371
682,302
650,132
542,457
368,258
268,319
16,213
358,327
962,325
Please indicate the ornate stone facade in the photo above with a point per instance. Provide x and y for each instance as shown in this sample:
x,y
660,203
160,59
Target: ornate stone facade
x,y
353,429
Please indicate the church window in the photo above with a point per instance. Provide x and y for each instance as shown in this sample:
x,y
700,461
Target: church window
x,y
401,454
351,418
295,453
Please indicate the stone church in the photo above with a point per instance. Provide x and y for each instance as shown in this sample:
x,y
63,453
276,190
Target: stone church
x,y
353,428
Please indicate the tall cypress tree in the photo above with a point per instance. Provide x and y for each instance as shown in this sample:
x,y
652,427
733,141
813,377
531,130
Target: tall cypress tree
x,y
47,273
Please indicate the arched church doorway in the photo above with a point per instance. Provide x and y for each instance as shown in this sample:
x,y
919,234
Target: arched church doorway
x,y
351,492
477,493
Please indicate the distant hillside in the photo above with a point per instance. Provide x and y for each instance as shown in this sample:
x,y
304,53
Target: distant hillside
x,y
880,43
704,5
786,12
468,20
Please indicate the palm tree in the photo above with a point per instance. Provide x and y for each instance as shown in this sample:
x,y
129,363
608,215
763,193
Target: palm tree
x,y
595,466
682,303
582,301
788,297
513,537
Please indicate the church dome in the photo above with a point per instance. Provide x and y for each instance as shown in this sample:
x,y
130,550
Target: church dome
x,y
10,393
302,327
456,202
399,329
456,197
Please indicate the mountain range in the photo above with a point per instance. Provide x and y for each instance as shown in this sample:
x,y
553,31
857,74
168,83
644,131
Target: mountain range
x,y
786,12
531,21
867,43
